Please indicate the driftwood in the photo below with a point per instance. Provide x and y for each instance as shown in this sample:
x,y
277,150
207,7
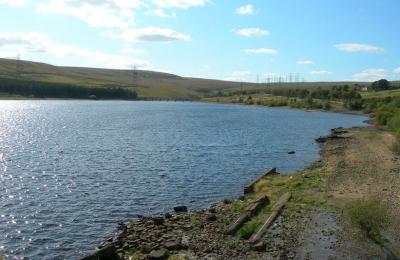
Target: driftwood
x,y
274,214
249,212
250,187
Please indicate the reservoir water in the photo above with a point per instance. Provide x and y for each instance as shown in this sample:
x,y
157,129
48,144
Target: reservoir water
x,y
71,170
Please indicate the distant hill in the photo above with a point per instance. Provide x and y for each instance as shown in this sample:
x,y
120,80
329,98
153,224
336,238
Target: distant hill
x,y
148,84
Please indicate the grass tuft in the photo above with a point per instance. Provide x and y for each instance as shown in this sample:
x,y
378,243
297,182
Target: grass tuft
x,y
371,216
248,230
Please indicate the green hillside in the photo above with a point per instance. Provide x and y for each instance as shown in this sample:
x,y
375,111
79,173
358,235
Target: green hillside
x,y
148,84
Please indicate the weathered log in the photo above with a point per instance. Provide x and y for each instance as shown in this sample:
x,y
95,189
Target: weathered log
x,y
250,187
276,210
106,253
247,214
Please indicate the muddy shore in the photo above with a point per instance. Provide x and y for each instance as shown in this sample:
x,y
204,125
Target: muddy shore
x,y
356,163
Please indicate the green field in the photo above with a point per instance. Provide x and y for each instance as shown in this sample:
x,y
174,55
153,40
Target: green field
x,y
381,94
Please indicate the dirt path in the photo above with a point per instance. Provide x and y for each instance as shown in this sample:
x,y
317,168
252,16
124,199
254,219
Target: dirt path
x,y
360,166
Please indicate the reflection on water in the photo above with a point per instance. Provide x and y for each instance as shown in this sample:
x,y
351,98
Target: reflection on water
x,y
70,170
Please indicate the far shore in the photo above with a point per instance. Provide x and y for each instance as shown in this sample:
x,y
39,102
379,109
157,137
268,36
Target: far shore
x,y
343,111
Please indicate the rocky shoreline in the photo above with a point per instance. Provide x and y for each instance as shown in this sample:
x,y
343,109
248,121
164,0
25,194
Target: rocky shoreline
x,y
202,234
190,235
300,231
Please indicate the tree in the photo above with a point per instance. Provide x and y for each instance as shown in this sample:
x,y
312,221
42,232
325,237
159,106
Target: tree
x,y
380,85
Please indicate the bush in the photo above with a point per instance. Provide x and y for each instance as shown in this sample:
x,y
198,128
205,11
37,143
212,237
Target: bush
x,y
354,104
369,215
384,114
380,85
247,230
394,121
327,105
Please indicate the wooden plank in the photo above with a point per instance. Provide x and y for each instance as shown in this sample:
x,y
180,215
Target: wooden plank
x,y
276,210
250,187
247,214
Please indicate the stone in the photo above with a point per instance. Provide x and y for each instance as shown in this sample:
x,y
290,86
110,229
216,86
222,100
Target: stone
x,y
291,152
185,241
187,227
160,254
158,220
211,217
212,210
108,252
167,215
172,245
180,209
260,246
227,201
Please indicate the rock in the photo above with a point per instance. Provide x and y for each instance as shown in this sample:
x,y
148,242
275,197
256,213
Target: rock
x,y
227,201
211,217
187,227
212,210
158,254
180,209
108,252
260,246
291,152
172,245
168,215
158,220
185,241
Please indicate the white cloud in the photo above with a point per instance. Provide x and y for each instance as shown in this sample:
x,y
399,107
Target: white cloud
x,y
28,44
247,32
14,3
161,13
261,51
184,4
305,62
321,72
245,10
239,75
370,75
397,71
150,34
100,13
356,47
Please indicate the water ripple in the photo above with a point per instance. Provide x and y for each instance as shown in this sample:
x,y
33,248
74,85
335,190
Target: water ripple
x,y
70,170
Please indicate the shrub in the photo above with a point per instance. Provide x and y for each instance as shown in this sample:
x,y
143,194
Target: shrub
x,y
394,121
369,215
379,85
354,104
327,105
384,113
247,230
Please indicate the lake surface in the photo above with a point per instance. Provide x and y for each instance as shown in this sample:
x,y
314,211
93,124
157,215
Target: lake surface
x,y
70,170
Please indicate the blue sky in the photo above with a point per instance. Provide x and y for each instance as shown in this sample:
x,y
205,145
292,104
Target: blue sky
x,y
220,39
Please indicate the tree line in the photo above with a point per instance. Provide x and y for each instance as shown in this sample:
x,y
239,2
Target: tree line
x,y
38,89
